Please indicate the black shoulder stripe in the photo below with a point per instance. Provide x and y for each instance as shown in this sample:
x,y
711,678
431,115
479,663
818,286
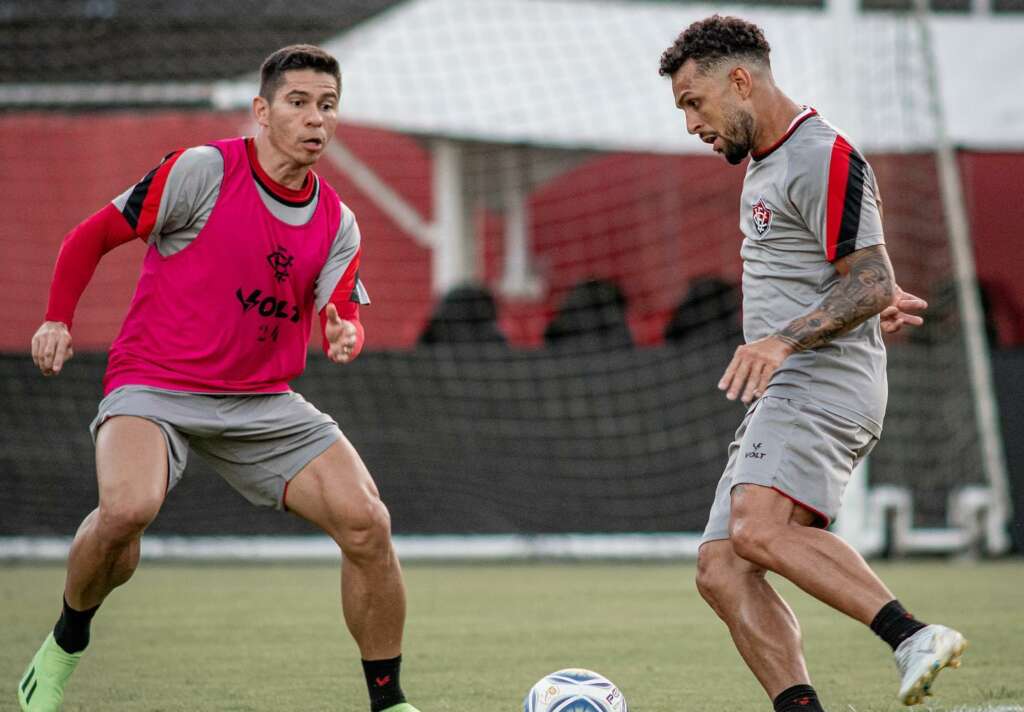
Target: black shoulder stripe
x,y
354,296
852,202
133,208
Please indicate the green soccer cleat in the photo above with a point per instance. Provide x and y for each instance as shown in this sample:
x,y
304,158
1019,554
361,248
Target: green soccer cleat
x,y
42,687
404,707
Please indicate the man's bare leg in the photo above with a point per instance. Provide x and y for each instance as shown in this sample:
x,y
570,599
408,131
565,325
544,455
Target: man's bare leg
x,y
131,471
336,492
761,623
131,465
773,532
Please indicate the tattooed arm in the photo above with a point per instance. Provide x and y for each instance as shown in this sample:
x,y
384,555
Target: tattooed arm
x,y
866,287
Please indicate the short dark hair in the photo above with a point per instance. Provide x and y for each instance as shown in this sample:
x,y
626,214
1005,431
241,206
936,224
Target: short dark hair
x,y
713,39
299,56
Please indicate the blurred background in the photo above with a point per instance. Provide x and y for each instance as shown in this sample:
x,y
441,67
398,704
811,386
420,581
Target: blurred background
x,y
554,269
553,261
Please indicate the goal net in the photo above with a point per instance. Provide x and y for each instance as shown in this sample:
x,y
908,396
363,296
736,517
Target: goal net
x,y
554,268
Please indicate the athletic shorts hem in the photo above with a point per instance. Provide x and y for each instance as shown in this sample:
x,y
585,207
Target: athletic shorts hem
x,y
821,520
712,536
802,451
175,468
256,443
315,450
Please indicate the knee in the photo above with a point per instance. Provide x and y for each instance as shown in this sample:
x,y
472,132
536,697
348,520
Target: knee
x,y
713,578
123,519
724,580
753,540
364,531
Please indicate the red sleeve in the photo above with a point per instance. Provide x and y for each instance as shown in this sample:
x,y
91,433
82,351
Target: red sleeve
x,y
79,254
344,299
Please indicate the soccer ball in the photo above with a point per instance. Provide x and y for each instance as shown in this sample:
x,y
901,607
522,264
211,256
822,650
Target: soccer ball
x,y
574,690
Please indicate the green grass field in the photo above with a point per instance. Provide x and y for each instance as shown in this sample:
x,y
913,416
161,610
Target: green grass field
x,y
269,637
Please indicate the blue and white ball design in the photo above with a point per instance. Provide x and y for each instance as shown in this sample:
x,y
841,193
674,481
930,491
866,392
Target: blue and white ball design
x,y
574,690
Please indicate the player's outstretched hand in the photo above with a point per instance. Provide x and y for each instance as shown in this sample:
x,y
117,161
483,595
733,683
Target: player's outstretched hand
x,y
752,367
902,311
341,336
51,347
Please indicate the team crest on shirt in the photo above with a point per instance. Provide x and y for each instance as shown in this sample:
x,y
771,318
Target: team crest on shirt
x,y
762,215
280,261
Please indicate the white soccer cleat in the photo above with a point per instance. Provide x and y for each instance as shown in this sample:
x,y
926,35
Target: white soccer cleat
x,y
921,656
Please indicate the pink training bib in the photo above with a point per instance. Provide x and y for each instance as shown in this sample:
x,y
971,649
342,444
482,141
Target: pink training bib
x,y
231,312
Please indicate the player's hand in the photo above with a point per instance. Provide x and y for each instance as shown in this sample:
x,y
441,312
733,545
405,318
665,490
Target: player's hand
x,y
902,311
51,347
341,336
752,367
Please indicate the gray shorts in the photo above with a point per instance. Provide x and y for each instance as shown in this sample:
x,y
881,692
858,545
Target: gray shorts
x,y
257,443
802,451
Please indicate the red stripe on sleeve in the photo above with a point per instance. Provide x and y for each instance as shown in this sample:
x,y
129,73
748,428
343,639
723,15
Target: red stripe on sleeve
x,y
151,204
79,254
838,175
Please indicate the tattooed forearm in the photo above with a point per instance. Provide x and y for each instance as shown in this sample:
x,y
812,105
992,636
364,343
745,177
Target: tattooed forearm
x,y
863,291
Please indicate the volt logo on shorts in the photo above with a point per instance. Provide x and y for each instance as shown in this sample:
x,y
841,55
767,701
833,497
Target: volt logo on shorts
x,y
756,453
268,306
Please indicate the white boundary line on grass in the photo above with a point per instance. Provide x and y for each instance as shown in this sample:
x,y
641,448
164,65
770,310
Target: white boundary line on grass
x,y
441,547
965,708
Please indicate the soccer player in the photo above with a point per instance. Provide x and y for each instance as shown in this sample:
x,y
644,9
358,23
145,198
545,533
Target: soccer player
x,y
818,290
244,241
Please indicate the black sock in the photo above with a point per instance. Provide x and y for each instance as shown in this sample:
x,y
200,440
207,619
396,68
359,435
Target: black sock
x,y
798,698
382,682
894,625
72,630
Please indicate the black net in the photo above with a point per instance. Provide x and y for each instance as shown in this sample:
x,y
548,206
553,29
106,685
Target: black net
x,y
579,396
